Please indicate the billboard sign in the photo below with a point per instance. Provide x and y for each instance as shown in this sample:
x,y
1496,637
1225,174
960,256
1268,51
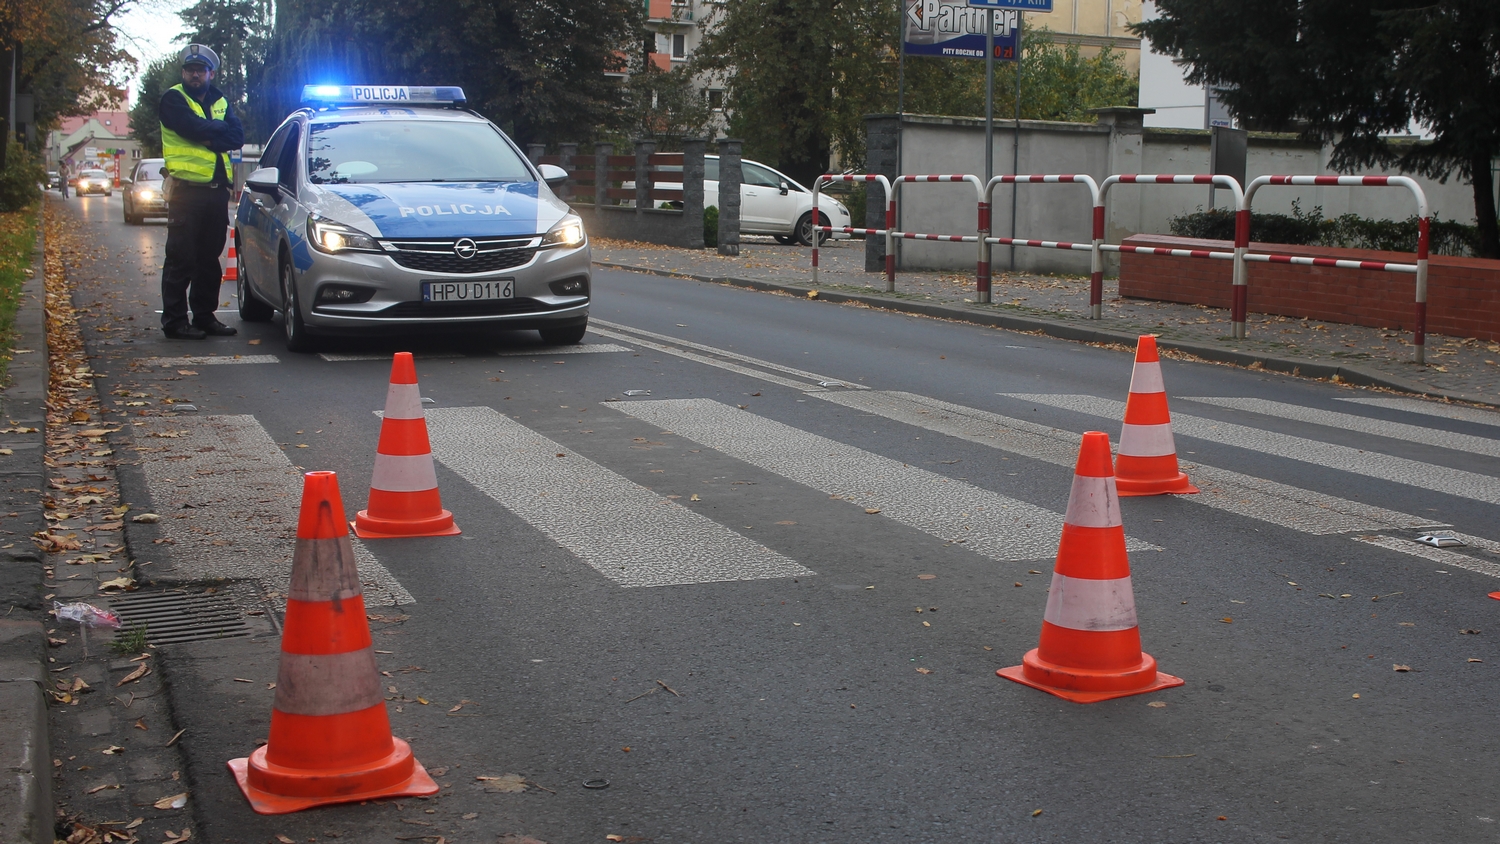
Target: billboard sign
x,y
955,30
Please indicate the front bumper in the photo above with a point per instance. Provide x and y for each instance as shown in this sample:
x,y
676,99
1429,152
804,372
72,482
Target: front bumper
x,y
395,303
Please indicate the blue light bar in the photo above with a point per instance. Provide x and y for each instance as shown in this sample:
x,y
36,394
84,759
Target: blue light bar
x,y
335,95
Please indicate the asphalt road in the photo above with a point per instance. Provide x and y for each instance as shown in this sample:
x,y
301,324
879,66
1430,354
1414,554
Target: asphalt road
x,y
713,536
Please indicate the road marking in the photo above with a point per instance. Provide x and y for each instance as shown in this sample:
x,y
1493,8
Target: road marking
x,y
335,357
228,500
1429,408
209,360
675,346
1452,559
1256,498
1362,424
628,533
985,522
1371,464
549,351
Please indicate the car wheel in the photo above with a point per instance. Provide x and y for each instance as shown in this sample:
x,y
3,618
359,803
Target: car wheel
x,y
251,308
569,336
292,326
784,239
805,229
130,219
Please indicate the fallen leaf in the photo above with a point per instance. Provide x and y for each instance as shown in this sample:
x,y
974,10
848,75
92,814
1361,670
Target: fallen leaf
x,y
255,342
424,701
284,840
1470,631
1472,659
469,816
140,671
1402,668
125,584
140,724
146,519
1227,620
1355,695
176,801
1035,813
924,670
187,372
1157,704
504,784
113,750
695,497
98,788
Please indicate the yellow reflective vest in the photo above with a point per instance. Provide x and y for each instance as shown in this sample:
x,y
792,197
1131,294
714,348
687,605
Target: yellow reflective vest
x,y
188,160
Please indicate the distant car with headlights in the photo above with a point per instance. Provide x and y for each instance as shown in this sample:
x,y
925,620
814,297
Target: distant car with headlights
x,y
382,209
143,192
94,181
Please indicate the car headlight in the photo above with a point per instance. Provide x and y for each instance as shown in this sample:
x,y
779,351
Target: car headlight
x,y
147,195
567,232
328,236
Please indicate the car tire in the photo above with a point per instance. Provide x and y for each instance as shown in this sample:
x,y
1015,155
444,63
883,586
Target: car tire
x,y
570,336
292,326
784,239
804,229
251,308
131,219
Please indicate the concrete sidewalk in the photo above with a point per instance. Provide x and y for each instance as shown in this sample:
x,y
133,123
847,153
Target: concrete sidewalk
x,y
1459,369
26,813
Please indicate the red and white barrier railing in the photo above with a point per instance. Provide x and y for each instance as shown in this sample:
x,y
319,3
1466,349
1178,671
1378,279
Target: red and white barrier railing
x,y
1096,262
890,221
1239,298
982,266
1419,330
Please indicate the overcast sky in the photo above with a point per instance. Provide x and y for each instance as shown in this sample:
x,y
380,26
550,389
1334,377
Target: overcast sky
x,y
148,29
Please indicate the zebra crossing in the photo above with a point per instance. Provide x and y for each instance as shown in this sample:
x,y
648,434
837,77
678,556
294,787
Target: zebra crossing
x,y
636,537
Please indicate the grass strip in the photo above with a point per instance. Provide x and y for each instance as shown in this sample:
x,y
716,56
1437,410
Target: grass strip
x,y
17,242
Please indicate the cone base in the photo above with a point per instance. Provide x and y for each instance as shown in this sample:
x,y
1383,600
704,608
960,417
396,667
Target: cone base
x,y
1179,485
367,527
1139,680
1495,595
336,786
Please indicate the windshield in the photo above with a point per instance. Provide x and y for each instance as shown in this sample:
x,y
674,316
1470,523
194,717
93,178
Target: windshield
x,y
410,151
93,174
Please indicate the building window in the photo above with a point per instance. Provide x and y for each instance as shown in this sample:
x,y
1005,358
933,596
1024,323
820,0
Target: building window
x,y
715,99
679,46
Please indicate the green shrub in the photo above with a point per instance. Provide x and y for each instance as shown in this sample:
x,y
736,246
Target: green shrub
x,y
1349,231
21,180
711,226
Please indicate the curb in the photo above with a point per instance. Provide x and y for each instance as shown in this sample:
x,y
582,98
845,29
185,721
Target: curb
x,y
26,811
1064,330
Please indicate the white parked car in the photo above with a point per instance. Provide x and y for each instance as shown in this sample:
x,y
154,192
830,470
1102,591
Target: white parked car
x,y
771,202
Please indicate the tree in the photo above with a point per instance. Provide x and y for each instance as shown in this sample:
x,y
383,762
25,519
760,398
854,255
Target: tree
x,y
537,68
801,78
145,115
664,104
1352,72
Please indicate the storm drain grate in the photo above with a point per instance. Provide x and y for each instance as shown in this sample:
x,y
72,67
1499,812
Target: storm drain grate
x,y
180,616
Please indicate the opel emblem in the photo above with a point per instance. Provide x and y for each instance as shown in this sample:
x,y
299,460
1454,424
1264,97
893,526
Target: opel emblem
x,y
465,248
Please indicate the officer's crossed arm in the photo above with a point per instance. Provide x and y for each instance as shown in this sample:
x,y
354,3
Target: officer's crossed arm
x,y
218,135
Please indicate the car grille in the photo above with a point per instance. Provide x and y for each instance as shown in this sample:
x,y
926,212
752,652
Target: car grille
x,y
437,256
494,307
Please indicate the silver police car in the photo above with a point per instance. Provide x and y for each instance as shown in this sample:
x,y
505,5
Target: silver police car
x,y
393,208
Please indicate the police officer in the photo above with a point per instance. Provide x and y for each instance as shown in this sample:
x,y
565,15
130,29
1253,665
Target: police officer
x,y
198,129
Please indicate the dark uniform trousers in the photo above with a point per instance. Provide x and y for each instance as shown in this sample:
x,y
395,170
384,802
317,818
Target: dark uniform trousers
x,y
197,226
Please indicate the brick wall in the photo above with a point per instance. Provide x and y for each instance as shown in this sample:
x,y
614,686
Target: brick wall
x,y
1463,294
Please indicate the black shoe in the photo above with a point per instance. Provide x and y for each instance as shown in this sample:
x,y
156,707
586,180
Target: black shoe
x,y
216,328
184,332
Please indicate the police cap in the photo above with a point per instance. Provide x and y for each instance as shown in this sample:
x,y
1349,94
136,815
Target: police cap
x,y
200,54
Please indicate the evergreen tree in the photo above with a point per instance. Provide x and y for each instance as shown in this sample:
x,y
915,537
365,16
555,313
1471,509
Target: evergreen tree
x,y
1352,71
145,115
237,30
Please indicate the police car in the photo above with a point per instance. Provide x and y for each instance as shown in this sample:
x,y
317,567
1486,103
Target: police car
x,y
394,208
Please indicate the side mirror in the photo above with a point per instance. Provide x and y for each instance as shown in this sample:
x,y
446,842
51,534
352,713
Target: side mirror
x,y
553,175
264,180
784,188
126,181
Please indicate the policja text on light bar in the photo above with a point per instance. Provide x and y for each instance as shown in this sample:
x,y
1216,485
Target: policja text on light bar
x,y
332,95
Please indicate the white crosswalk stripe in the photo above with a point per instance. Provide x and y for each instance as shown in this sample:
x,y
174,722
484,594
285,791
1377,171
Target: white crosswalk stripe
x,y
721,358
1452,559
548,351
1431,408
1367,463
339,357
984,522
629,534
209,360
1362,424
228,499
1257,498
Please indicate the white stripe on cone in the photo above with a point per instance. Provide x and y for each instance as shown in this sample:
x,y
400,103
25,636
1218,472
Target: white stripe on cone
x,y
403,401
1093,605
1147,378
1093,503
404,473
1147,440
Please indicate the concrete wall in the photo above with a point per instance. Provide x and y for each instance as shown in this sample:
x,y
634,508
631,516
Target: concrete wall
x,y
1118,144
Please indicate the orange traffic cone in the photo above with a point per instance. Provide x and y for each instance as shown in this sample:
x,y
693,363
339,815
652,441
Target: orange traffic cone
x,y
404,498
232,269
330,739
1090,647
1147,462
